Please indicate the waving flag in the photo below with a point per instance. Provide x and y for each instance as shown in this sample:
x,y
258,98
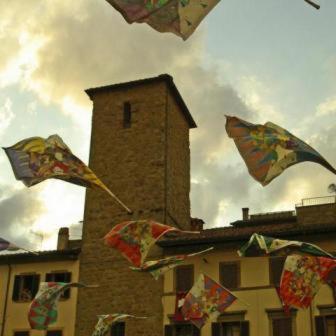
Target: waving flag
x,y
206,300
105,322
261,245
158,267
269,149
43,309
135,238
302,277
180,17
36,159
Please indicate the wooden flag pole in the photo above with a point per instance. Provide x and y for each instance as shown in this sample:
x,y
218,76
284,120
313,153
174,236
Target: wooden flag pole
x,y
313,4
119,201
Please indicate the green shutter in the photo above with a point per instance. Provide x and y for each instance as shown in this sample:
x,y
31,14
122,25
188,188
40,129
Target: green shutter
x,y
320,326
216,329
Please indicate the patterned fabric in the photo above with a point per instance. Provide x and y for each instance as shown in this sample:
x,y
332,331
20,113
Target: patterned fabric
x,y
301,279
6,245
106,321
180,17
260,245
269,149
36,159
206,300
135,238
43,309
158,267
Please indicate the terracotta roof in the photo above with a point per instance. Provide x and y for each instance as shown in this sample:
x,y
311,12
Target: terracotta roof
x,y
161,78
42,256
232,234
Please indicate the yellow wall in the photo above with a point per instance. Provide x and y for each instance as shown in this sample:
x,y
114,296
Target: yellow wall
x,y
255,294
16,316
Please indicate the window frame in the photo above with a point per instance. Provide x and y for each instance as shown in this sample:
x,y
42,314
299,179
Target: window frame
x,y
16,297
54,330
66,295
238,273
277,314
189,266
170,329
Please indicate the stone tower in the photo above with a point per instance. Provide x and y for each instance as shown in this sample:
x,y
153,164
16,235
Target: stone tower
x,y
140,150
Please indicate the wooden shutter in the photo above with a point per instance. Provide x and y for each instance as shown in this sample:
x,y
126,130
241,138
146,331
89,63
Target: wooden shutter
x,y
35,284
16,288
282,327
195,331
168,330
229,275
216,329
275,266
184,278
244,328
320,325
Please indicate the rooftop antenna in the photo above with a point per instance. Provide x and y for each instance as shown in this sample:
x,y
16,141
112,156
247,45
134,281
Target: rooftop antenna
x,y
310,2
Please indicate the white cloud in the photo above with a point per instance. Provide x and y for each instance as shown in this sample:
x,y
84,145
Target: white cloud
x,y
6,115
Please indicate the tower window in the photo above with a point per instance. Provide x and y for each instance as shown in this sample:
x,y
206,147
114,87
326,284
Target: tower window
x,y
127,115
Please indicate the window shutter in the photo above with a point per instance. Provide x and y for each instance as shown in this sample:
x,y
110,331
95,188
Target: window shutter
x,y
118,329
216,329
229,275
67,278
244,328
49,277
168,330
16,288
35,284
320,326
276,266
196,331
184,278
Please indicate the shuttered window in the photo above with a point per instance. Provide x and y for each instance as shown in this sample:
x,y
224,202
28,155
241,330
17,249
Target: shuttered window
x,y
60,277
325,325
21,333
182,329
229,274
275,267
239,328
54,333
118,329
184,278
282,326
25,287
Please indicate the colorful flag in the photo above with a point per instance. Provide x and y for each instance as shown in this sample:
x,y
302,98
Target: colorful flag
x,y
269,149
158,267
261,245
180,17
36,159
7,246
302,277
206,300
135,238
105,322
43,309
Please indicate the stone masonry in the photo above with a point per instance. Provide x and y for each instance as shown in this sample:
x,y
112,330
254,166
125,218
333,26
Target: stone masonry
x,y
148,166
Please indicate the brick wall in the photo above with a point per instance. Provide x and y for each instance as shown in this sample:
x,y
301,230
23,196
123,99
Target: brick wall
x,y
137,163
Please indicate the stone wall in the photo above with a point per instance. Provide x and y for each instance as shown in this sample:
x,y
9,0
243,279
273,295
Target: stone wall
x,y
133,163
316,214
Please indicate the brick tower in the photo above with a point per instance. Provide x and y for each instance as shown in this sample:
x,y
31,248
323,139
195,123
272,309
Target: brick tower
x,y
140,150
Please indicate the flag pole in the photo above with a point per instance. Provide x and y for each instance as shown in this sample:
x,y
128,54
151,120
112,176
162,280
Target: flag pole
x,y
118,200
313,4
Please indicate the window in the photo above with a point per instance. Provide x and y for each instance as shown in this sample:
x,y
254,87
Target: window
x,y
54,333
184,278
229,274
127,115
325,325
60,277
25,287
282,324
21,333
239,328
275,267
183,329
118,329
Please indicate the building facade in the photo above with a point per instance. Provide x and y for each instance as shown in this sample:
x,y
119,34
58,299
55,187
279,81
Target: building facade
x,y
21,274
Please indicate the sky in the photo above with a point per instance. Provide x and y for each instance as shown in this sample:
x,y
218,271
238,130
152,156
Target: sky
x,y
261,60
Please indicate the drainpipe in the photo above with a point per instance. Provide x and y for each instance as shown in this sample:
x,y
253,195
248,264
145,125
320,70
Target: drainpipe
x,y
6,301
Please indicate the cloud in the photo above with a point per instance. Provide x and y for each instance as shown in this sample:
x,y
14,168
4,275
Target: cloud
x,y
6,115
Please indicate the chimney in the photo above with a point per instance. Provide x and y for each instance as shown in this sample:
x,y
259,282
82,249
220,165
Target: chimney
x,y
245,214
196,224
63,239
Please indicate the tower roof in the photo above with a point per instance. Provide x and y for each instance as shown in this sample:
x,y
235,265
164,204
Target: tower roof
x,y
161,78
